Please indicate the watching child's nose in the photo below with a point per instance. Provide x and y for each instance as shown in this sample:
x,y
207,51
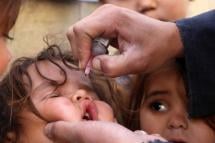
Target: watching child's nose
x,y
178,121
81,95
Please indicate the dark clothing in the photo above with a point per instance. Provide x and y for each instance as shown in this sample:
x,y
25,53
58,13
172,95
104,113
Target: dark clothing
x,y
198,37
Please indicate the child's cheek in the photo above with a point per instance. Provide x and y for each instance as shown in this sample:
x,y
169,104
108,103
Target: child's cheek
x,y
60,109
105,112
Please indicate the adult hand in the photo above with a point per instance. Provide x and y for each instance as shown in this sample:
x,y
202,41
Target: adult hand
x,y
94,132
144,43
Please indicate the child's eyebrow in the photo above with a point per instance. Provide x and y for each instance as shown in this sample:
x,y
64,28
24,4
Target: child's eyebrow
x,y
156,93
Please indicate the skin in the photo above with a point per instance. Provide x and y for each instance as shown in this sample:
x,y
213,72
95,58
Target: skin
x,y
66,132
68,103
5,53
167,10
164,110
8,16
153,42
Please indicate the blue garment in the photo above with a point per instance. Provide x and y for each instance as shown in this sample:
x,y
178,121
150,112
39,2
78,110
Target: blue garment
x,y
198,37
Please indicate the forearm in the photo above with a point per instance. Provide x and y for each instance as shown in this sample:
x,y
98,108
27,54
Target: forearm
x,y
88,131
198,36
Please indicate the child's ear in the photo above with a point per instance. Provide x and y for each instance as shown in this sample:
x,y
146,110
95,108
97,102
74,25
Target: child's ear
x,y
10,137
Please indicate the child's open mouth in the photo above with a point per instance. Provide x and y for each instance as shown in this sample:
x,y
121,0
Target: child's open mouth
x,y
87,116
90,112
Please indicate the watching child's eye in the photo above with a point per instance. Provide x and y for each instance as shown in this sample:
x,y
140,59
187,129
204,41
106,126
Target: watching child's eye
x,y
158,106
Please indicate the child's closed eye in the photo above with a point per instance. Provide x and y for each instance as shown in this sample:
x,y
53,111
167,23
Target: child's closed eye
x,y
54,95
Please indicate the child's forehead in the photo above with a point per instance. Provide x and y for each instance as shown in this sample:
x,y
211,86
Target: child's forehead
x,y
54,72
162,79
167,80
166,70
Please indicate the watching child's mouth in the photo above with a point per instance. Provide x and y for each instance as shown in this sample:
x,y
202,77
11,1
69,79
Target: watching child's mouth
x,y
177,141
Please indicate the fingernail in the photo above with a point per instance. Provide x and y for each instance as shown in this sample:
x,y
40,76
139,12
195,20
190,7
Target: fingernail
x,y
88,67
96,64
47,130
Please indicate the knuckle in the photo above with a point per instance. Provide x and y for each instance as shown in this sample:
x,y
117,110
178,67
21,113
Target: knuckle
x,y
76,29
108,69
110,9
108,6
69,33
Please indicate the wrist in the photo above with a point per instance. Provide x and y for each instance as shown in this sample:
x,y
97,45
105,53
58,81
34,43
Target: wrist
x,y
175,40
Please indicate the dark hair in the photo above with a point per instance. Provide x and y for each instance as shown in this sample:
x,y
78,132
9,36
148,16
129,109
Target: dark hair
x,y
13,88
210,120
8,14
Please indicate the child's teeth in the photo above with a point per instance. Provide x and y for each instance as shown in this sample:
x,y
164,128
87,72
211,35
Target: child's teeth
x,y
87,115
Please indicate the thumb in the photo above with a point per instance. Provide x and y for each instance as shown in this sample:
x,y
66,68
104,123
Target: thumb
x,y
60,131
114,65
80,132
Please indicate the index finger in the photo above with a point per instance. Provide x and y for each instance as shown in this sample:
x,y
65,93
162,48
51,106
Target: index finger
x,y
98,24
80,45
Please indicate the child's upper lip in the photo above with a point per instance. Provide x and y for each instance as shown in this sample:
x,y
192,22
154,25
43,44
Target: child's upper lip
x,y
89,110
176,136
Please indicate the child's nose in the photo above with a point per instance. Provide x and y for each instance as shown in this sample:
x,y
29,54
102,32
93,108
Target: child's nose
x,y
146,5
178,121
81,95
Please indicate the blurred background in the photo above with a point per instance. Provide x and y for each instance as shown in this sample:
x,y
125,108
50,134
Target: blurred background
x,y
50,19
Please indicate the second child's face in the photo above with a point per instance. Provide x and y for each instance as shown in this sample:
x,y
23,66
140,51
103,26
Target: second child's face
x,y
167,10
164,110
73,101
